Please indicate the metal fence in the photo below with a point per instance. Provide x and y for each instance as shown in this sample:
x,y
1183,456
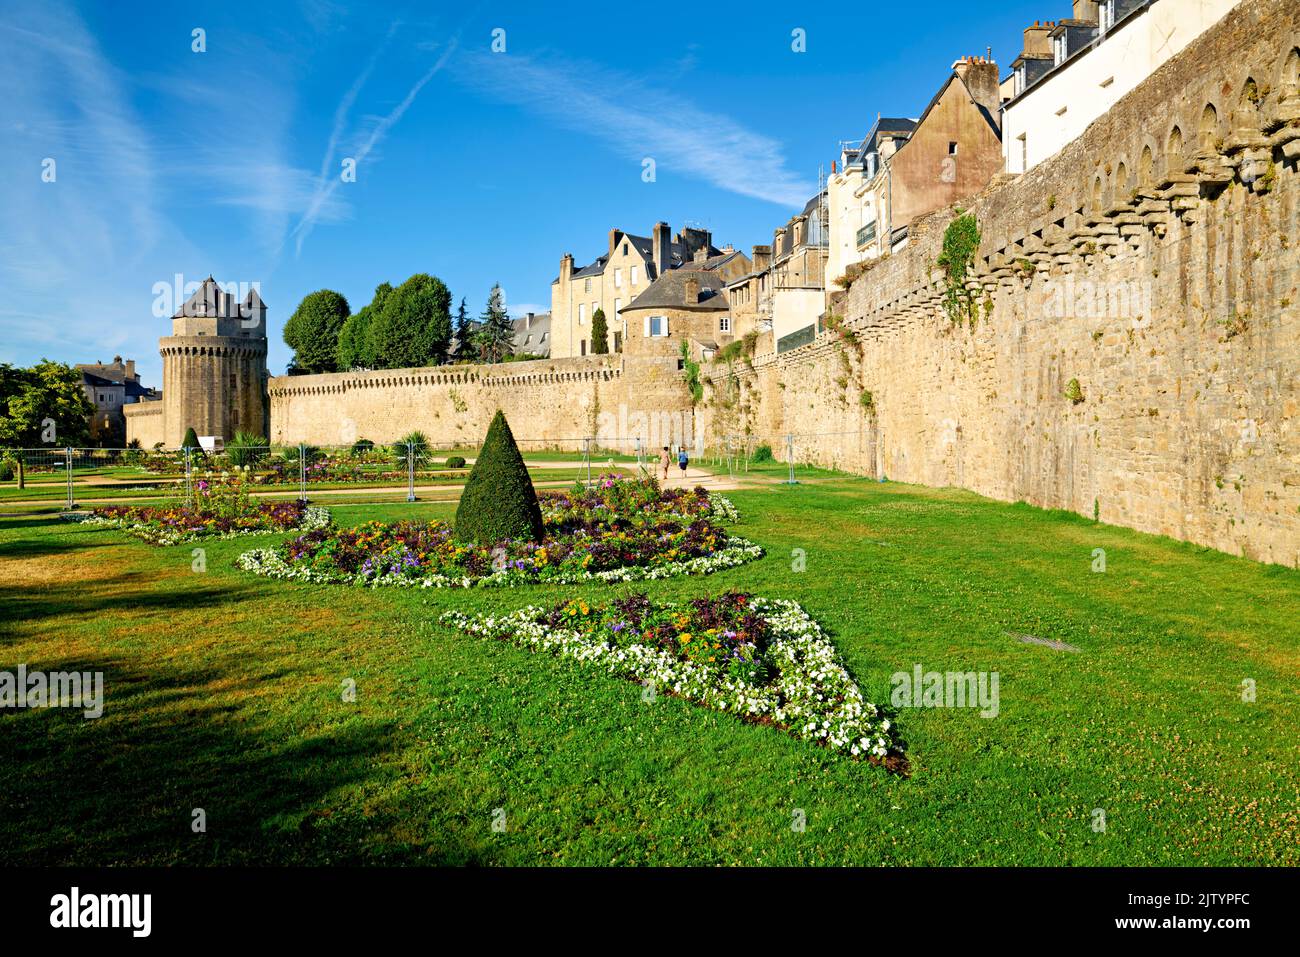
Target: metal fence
x,y
67,476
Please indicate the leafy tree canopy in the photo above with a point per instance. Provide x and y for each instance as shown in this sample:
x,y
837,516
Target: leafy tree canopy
x,y
413,327
43,405
313,330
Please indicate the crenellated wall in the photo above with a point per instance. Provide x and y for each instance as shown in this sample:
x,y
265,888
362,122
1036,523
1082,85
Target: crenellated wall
x,y
548,402
1135,350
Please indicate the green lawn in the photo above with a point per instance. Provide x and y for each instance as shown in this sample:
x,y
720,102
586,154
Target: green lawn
x,y
223,693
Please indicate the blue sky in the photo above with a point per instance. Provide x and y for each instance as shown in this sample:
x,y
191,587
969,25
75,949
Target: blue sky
x,y
476,166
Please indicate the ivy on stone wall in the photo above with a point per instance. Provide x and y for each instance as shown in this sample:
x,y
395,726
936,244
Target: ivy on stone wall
x,y
961,241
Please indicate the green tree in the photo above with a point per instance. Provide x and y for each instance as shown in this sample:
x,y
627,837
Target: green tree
x,y
499,501
191,440
496,334
312,332
43,405
599,333
464,334
414,326
354,338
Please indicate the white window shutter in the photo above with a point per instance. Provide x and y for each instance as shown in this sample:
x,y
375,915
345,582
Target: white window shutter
x,y
665,325
646,323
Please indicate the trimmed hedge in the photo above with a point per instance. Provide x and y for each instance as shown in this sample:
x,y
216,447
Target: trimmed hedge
x,y
455,462
499,501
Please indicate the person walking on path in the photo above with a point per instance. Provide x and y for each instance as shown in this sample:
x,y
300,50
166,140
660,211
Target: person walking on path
x,y
665,460
682,460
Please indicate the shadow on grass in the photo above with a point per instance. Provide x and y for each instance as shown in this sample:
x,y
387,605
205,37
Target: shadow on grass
x,y
123,788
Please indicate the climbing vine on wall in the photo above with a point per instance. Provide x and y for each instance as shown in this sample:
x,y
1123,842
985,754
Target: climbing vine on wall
x,y
961,241
691,373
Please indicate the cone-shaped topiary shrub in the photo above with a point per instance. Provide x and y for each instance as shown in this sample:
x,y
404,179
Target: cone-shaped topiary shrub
x,y
499,501
191,441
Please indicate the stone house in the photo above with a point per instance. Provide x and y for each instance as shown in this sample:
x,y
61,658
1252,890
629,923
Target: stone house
x,y
627,267
897,174
796,288
111,387
689,304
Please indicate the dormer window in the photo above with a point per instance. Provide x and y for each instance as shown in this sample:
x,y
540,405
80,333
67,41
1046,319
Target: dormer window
x,y
1020,80
1059,49
1107,15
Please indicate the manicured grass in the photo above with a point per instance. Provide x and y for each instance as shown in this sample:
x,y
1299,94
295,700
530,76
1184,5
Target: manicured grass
x,y
223,691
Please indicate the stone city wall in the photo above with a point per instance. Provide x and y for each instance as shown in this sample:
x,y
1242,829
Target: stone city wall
x,y
1133,346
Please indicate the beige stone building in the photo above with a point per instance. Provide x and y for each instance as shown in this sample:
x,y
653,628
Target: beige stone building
x,y
111,387
903,170
796,288
689,304
626,269
214,371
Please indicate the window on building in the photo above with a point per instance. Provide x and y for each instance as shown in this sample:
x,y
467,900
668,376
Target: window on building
x,y
618,307
234,417
584,346
586,285
656,327
1024,152
625,249
1020,80
952,149
633,275
618,342
618,279
1107,14
582,313
724,324
1059,49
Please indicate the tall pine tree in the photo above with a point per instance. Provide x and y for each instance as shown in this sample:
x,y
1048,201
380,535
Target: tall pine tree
x,y
496,334
464,335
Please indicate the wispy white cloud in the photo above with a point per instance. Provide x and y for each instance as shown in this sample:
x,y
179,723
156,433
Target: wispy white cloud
x,y
75,253
329,179
636,120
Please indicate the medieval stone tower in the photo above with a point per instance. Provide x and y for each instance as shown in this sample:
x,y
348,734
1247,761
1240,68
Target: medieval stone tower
x,y
214,366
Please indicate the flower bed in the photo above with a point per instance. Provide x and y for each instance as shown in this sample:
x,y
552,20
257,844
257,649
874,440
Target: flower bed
x,y
761,659
619,530
220,508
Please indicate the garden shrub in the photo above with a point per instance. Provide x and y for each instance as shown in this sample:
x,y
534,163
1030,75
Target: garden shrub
x,y
763,453
416,441
455,462
499,501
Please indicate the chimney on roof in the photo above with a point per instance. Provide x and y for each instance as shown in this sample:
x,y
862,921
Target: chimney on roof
x,y
691,294
1038,39
981,79
701,254
613,242
661,249
1085,10
566,267
728,249
762,258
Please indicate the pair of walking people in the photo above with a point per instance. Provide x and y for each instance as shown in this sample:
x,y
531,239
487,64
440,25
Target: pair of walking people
x,y
665,460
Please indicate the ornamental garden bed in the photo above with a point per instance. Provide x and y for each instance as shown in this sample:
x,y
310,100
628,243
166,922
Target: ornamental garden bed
x,y
763,660
619,529
219,508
